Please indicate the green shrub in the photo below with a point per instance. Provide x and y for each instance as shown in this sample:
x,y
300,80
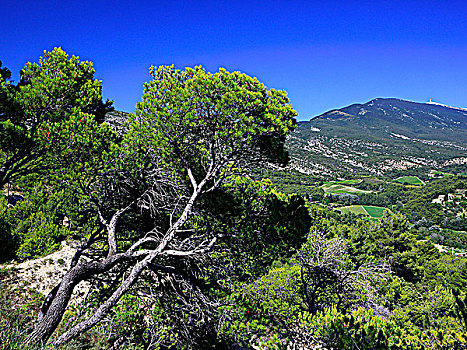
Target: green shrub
x,y
38,236
361,329
269,304
32,228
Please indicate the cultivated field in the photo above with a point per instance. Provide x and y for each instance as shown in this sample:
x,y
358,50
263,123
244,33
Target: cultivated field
x,y
411,180
342,187
367,210
374,212
356,209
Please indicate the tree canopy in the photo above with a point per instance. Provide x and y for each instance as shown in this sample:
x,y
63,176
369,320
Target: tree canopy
x,y
52,90
149,187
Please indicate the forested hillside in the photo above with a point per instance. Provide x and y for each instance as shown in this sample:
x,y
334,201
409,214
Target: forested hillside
x,y
166,228
381,136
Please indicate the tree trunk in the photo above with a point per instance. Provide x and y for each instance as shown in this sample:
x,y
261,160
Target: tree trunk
x,y
47,324
103,310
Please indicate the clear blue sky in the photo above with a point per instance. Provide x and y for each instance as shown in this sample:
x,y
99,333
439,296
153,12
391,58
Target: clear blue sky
x,y
326,54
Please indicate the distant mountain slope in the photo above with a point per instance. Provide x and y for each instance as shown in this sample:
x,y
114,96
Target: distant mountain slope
x,y
379,136
384,116
116,119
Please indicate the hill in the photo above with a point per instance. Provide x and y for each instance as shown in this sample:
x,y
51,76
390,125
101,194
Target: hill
x,y
380,136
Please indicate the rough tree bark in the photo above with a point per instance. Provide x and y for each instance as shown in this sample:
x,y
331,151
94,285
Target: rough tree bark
x,y
52,314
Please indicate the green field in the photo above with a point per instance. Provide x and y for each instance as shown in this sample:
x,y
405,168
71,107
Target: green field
x,y
367,210
356,209
374,212
341,187
411,180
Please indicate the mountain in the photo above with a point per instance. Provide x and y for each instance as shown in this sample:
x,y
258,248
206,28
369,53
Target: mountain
x,y
380,136
116,120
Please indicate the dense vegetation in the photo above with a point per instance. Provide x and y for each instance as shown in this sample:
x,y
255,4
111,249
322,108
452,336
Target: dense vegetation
x,y
187,241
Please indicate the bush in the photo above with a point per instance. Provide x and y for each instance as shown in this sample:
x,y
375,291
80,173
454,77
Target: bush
x,y
32,228
38,236
269,304
361,329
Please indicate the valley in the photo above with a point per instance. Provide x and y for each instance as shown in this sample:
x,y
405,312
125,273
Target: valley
x,y
385,155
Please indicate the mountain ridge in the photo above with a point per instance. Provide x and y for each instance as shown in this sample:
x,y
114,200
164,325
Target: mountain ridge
x,y
379,135
430,102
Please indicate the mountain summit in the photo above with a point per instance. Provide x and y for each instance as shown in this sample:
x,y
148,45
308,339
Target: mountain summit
x,y
381,135
383,116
